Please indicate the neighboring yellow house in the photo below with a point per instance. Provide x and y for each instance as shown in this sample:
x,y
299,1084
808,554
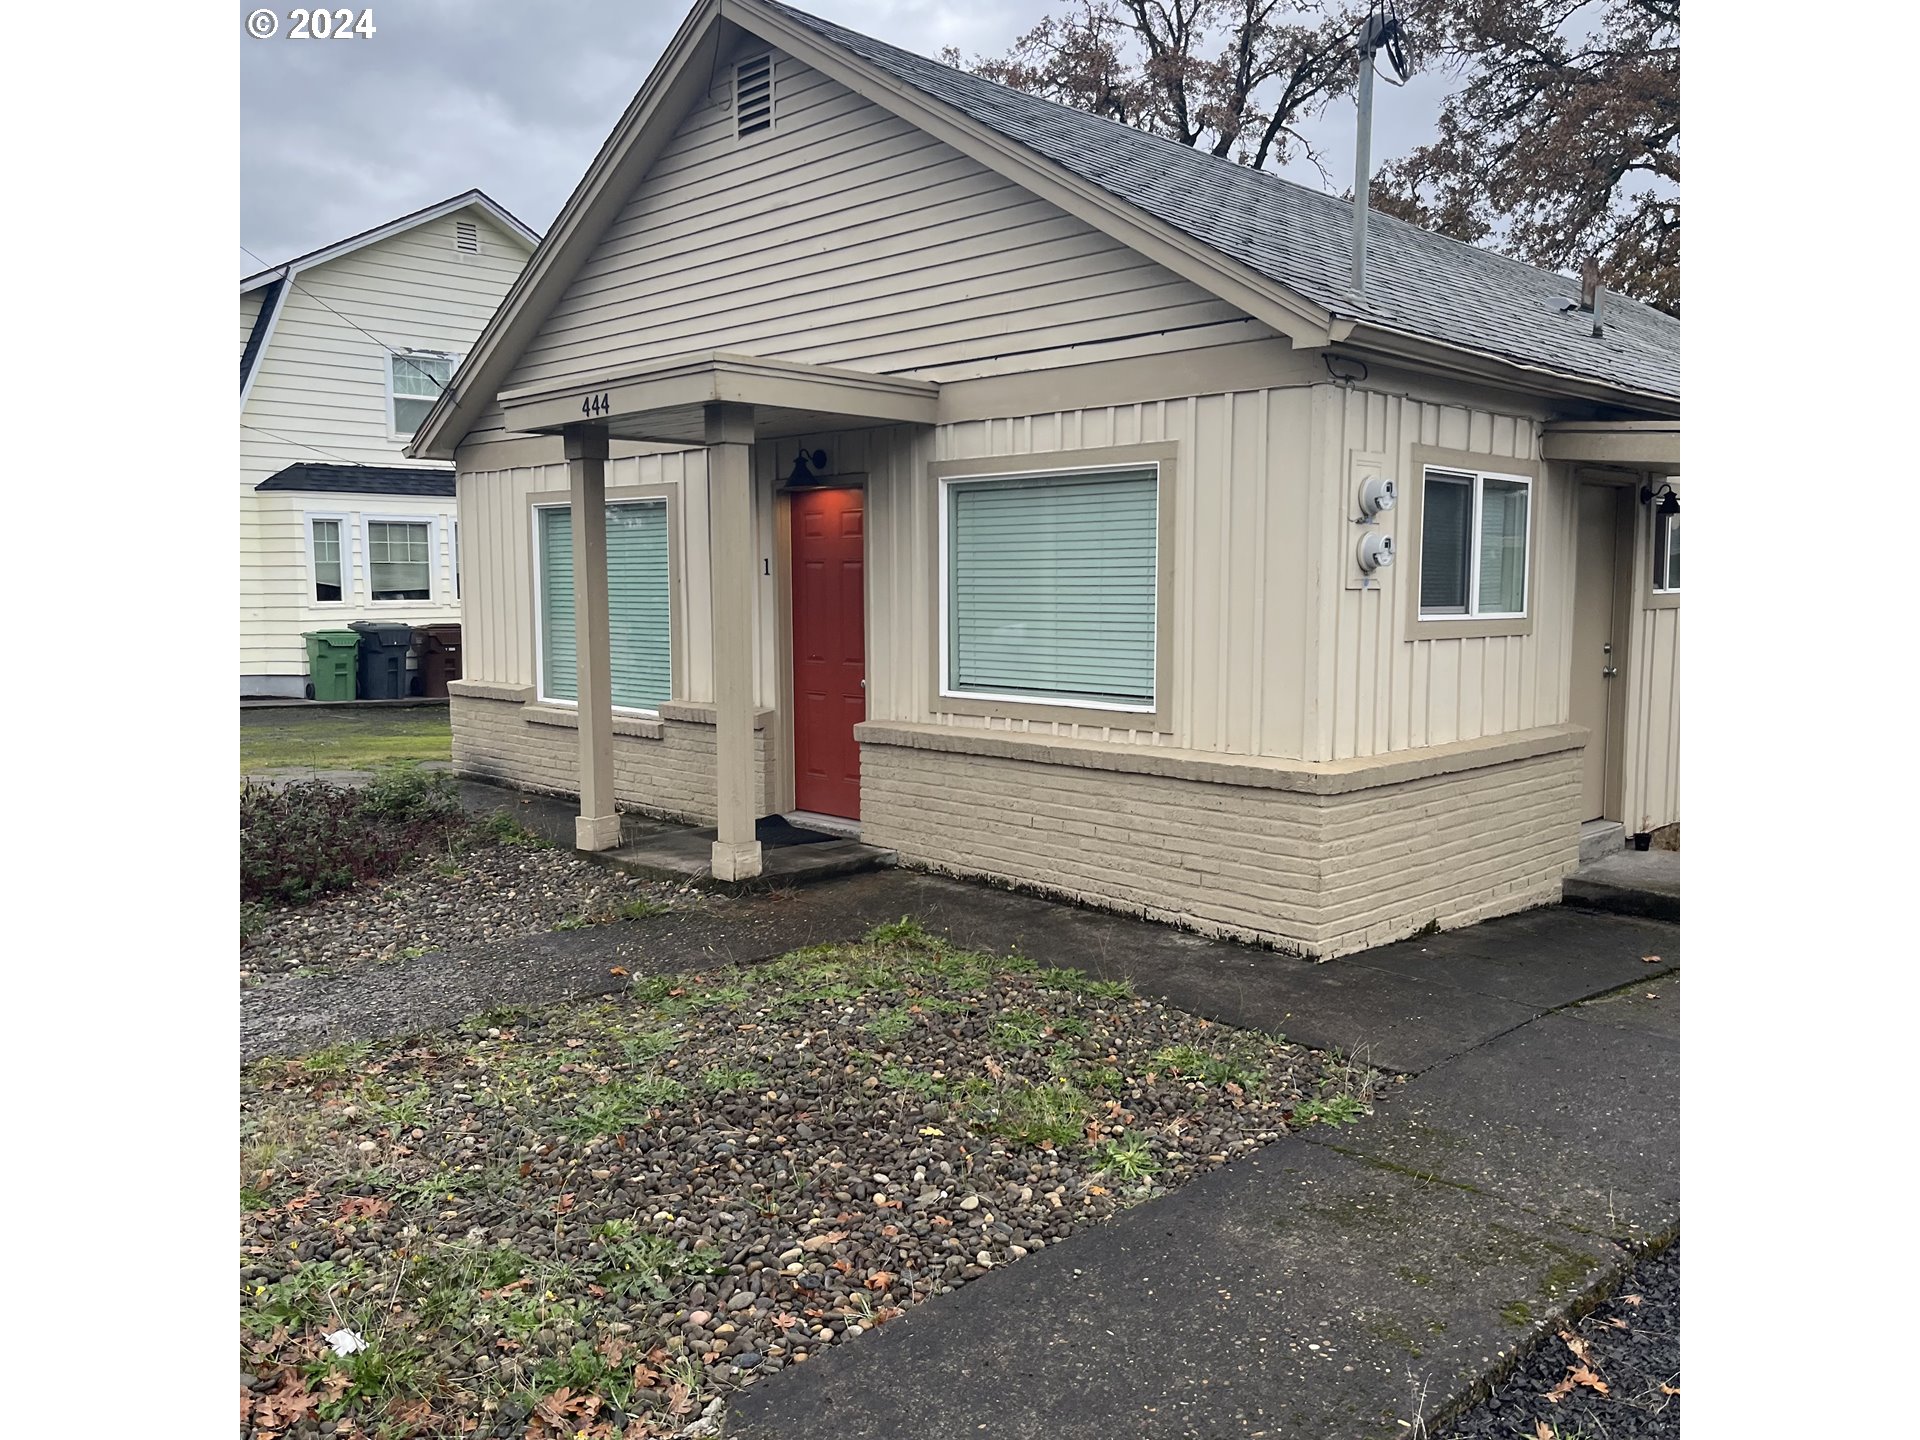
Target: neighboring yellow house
x,y
1015,485
341,353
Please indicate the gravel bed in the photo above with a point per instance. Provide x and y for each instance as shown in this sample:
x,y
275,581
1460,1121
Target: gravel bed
x,y
599,1218
482,893
1631,1345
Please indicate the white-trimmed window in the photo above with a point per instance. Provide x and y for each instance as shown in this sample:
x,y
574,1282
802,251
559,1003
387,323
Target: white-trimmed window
x,y
415,379
327,558
1666,553
1474,542
1050,588
400,559
639,604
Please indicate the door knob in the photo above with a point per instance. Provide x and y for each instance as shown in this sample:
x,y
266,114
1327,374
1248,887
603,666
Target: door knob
x,y
1608,672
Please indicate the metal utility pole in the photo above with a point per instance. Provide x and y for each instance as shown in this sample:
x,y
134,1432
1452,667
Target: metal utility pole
x,y
1363,160
1380,32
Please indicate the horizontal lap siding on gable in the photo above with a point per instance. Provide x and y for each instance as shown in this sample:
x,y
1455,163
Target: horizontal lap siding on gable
x,y
847,237
1383,691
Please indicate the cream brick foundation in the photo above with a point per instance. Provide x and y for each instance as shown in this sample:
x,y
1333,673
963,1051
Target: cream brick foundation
x,y
1317,860
661,767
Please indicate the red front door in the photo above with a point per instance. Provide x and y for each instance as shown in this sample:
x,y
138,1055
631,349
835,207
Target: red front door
x,y
829,649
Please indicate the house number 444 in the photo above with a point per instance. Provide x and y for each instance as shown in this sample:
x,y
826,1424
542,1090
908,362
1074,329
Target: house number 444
x,y
595,405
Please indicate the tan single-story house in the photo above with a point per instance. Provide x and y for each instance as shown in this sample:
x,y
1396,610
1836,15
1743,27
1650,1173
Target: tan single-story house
x,y
867,440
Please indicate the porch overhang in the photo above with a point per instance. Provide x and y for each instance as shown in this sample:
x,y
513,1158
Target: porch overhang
x,y
666,404
1640,444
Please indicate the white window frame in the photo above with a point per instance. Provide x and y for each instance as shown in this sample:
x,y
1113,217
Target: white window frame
x,y
392,357
1072,702
1662,547
539,635
344,520
370,518
1473,611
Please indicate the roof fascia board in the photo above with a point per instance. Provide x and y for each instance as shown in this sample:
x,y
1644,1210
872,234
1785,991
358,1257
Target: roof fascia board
x,y
266,338
626,155
1293,315
1490,369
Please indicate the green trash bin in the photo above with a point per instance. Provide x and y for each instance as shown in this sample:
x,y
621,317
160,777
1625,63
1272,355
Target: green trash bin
x,y
332,657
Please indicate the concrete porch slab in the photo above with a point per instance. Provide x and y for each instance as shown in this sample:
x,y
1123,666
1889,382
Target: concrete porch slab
x,y
1628,882
678,852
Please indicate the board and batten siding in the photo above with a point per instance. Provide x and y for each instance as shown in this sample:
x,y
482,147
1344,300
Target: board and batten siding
x,y
320,394
1239,597
1383,687
496,539
845,236
1651,748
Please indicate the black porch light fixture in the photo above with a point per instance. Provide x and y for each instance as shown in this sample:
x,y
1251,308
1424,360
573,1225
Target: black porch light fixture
x,y
1662,496
809,468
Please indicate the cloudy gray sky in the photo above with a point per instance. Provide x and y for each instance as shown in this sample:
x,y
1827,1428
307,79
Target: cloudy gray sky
x,y
515,96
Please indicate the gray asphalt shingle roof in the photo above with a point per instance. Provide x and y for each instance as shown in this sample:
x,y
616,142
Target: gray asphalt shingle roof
x,y
434,482
1418,283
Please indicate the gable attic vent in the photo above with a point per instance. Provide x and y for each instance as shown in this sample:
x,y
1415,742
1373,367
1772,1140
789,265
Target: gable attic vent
x,y
753,96
466,236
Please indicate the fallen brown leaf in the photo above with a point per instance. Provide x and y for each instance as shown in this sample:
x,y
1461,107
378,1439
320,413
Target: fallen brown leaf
x,y
619,970
1651,959
1633,1300
1666,1389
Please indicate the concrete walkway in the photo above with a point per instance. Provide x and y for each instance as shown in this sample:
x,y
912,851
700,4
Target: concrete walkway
x,y
1352,1283
1345,1283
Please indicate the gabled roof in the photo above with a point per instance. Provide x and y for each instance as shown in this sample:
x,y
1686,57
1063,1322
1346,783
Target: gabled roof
x,y
1276,249
1420,283
479,199
435,483
278,280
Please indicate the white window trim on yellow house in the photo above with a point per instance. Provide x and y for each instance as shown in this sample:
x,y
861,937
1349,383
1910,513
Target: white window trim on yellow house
x,y
405,355
342,521
368,519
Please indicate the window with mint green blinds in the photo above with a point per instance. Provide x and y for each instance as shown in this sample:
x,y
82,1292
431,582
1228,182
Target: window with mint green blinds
x,y
638,605
1052,587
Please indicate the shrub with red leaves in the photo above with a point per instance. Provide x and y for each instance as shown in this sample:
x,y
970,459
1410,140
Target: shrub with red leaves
x,y
300,842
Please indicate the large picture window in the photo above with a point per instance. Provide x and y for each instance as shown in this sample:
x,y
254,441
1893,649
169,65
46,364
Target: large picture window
x,y
639,604
1474,529
400,559
1052,588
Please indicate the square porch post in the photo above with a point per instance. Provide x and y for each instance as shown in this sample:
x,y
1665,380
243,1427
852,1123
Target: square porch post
x,y
597,827
729,436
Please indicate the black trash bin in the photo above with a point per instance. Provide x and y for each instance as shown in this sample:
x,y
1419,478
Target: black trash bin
x,y
383,658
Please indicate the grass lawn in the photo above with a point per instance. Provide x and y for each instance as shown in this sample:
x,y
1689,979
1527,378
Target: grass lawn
x,y
597,1218
342,739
